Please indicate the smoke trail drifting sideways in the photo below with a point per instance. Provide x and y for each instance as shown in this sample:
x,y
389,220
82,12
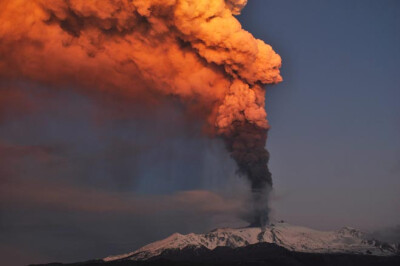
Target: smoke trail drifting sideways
x,y
194,50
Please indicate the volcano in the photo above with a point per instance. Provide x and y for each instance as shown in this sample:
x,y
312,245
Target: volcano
x,y
347,240
276,244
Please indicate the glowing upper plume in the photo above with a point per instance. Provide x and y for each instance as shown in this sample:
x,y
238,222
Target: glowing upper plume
x,y
195,50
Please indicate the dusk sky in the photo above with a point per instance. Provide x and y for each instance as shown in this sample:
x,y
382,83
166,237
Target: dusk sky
x,y
83,177
335,120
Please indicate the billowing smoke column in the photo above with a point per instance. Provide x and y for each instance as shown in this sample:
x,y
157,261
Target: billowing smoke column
x,y
245,135
194,50
246,143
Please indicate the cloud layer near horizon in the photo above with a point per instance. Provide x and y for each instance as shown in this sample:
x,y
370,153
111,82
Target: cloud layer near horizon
x,y
95,180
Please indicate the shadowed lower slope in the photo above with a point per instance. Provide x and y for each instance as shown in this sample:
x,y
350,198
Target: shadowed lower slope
x,y
256,254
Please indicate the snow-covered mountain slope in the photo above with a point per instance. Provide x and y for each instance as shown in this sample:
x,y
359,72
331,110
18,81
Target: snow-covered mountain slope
x,y
295,238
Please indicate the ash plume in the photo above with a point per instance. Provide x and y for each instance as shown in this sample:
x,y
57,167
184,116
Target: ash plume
x,y
143,50
246,143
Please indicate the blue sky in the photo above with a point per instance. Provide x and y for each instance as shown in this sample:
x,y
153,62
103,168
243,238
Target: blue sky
x,y
334,141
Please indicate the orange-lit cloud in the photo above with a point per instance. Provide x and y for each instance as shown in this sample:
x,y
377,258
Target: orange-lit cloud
x,y
142,50
195,50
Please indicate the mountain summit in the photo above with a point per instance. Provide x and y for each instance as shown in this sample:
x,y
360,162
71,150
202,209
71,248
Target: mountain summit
x,y
294,238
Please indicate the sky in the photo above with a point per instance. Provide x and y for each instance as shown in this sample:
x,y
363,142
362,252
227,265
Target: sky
x,y
335,120
115,182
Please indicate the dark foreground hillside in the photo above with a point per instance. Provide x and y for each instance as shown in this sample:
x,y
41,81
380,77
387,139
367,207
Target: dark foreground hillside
x,y
257,254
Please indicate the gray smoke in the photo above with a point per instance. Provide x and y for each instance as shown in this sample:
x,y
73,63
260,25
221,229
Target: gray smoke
x,y
246,143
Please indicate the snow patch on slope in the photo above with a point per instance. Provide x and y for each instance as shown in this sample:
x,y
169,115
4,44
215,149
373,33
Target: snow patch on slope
x,y
295,238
